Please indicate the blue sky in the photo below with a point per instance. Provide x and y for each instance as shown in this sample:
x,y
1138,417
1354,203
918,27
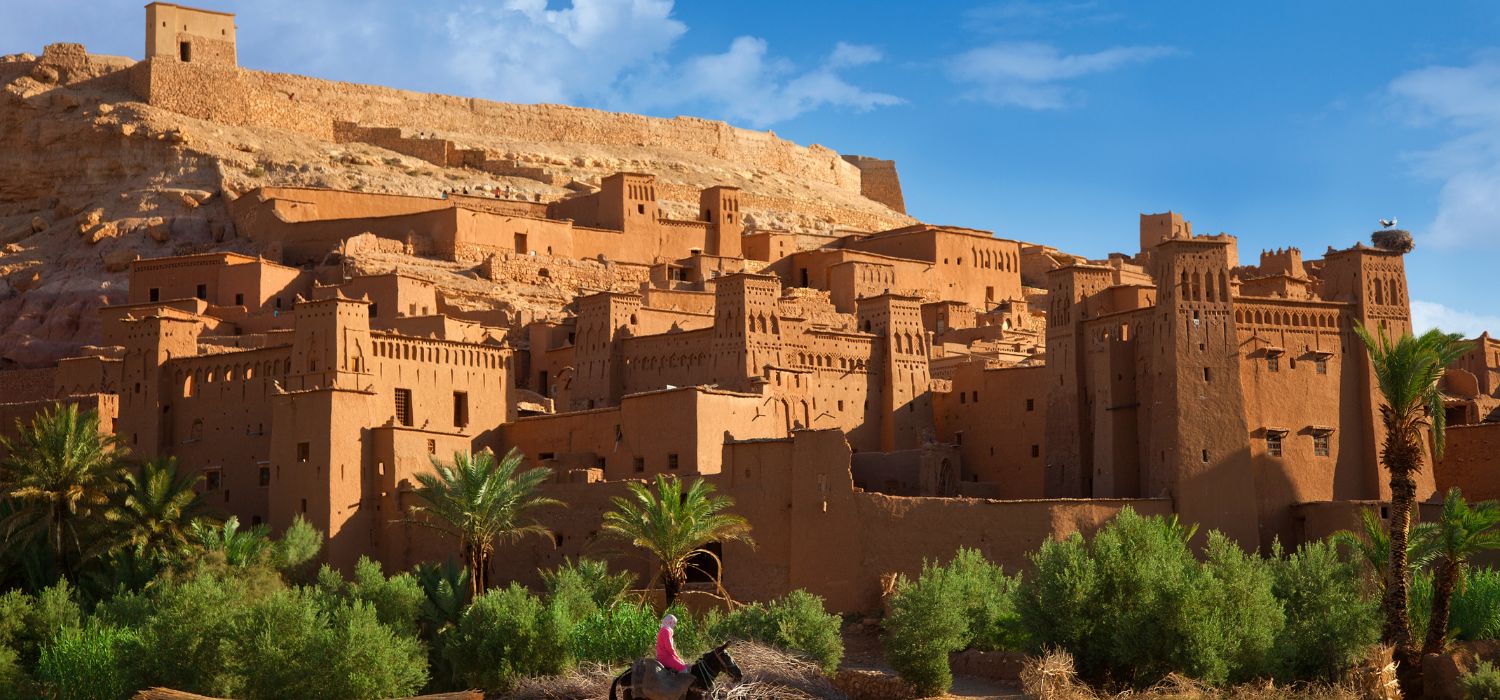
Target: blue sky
x,y
1283,123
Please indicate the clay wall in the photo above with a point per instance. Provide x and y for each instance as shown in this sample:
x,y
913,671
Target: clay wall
x,y
878,181
226,279
26,385
310,106
997,416
814,530
1469,461
20,413
646,433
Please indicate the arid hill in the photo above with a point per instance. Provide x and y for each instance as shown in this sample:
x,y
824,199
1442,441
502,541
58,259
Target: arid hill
x,y
93,176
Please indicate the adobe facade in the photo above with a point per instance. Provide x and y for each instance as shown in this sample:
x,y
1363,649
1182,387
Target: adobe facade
x,y
870,398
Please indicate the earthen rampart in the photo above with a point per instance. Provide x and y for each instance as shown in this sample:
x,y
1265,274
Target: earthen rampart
x,y
310,106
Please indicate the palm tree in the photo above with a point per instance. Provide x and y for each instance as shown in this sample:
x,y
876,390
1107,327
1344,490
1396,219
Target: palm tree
x,y
1407,371
240,547
158,508
673,525
480,502
1462,532
1372,546
60,474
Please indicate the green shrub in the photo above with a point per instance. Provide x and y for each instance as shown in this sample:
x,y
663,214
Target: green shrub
x,y
1483,683
1134,604
1329,621
989,598
1476,606
289,646
927,622
15,683
614,635
797,622
84,663
397,600
504,635
585,586
294,553
188,641
54,610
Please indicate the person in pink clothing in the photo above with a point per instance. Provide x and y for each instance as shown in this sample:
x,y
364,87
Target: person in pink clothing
x,y
666,648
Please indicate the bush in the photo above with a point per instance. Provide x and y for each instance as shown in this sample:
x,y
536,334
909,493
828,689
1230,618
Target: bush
x,y
614,635
989,598
506,634
1135,604
397,600
1483,683
796,623
1329,622
926,623
1476,606
15,684
585,586
85,664
290,647
188,641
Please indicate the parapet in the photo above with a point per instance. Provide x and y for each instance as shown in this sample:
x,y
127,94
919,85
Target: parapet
x,y
878,181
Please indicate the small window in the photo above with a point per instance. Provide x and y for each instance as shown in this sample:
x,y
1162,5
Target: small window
x,y
304,505
403,407
1207,375
639,464
155,294
521,243
1273,363
640,208
1322,366
265,476
1205,456
1030,404
1273,444
1036,450
975,396
304,451
278,302
460,409
239,300
1320,445
185,51
962,397
202,292
958,438
374,309
431,446
212,479
672,461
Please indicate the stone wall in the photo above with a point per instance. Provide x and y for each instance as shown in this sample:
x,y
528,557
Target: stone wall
x,y
878,181
311,106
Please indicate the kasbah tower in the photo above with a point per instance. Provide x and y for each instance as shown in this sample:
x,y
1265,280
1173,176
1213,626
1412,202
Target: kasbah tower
x,y
870,393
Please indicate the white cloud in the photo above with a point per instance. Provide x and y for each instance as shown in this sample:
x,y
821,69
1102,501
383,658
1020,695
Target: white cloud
x,y
614,54
1426,315
1034,75
745,83
1466,101
523,52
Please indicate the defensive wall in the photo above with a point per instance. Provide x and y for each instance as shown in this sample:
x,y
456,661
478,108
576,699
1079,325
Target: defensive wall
x,y
311,106
790,487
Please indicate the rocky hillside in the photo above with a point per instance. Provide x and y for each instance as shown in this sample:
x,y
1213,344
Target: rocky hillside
x,y
91,177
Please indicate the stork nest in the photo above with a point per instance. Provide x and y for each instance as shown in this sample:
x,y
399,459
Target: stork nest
x,y
1393,239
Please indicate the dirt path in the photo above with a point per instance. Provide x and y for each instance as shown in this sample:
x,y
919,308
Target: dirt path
x,y
862,650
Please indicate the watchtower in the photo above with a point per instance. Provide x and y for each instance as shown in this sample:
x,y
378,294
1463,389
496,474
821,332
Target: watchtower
x,y
190,35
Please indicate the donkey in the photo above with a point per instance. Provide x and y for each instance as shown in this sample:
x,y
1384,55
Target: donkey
x,y
647,679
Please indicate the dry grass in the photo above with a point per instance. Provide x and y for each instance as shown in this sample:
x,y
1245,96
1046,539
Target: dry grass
x,y
1052,677
770,674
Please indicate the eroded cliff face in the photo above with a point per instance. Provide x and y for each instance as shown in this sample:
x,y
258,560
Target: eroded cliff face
x,y
91,178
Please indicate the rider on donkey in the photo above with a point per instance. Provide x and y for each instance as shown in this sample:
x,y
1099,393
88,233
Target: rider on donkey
x,y
666,647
